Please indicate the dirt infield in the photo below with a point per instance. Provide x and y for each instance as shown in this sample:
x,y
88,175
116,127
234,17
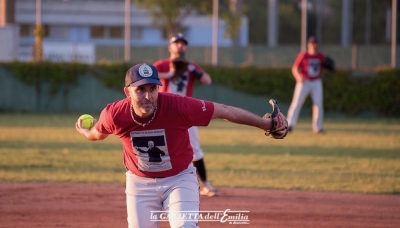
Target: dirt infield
x,y
94,205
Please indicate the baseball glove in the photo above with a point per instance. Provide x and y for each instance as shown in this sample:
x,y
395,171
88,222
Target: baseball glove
x,y
329,64
178,66
279,127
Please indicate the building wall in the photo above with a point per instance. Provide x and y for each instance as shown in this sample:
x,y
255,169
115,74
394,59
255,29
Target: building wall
x,y
8,49
73,20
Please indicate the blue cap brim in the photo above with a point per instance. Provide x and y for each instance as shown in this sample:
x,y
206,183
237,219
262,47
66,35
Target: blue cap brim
x,y
146,81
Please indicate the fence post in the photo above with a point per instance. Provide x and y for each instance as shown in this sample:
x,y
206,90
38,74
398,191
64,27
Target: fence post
x,y
303,25
127,51
215,17
354,57
394,33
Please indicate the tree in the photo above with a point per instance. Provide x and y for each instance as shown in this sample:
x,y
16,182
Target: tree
x,y
168,16
38,33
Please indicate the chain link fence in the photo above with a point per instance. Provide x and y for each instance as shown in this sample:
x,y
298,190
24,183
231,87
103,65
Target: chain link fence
x,y
355,33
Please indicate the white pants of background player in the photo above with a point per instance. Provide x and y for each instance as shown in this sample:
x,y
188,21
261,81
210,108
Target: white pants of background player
x,y
172,194
194,141
301,91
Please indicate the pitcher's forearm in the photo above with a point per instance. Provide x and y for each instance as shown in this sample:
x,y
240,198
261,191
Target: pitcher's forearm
x,y
240,116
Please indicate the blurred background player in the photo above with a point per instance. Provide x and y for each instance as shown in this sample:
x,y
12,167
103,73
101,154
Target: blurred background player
x,y
307,72
178,76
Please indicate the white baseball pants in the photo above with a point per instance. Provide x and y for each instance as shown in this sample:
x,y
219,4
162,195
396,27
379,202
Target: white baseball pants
x,y
172,194
301,91
195,143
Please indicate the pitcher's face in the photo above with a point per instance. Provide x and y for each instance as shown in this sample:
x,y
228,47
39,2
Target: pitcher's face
x,y
143,98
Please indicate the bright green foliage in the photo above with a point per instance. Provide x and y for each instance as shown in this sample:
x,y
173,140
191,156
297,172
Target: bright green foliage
x,y
169,15
344,93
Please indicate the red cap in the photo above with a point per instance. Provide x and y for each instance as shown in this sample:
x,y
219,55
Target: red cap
x,y
312,39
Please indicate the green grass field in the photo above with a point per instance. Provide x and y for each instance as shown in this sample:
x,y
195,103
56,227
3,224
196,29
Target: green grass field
x,y
355,155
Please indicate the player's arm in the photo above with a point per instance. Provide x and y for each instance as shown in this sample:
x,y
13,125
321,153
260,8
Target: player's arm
x,y
296,69
164,75
163,70
296,73
91,134
140,150
240,116
203,77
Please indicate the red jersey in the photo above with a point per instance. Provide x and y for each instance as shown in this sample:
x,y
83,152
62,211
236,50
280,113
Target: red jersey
x,y
182,86
310,65
162,148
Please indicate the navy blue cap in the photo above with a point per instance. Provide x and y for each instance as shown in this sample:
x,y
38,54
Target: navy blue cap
x,y
312,39
142,74
178,37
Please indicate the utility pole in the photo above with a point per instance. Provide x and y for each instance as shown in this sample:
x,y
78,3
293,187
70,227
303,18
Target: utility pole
x,y
347,21
38,33
214,49
394,33
368,23
7,14
273,23
303,24
127,56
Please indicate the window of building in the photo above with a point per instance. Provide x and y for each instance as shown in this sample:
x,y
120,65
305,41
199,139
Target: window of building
x,y
58,32
116,32
26,30
97,32
46,30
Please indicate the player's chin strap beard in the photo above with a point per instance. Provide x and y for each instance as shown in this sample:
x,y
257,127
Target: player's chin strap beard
x,y
148,122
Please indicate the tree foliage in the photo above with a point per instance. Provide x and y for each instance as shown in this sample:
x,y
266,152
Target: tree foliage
x,y
169,16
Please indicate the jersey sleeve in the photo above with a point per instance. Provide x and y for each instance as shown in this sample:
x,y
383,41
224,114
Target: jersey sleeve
x,y
298,60
105,124
162,66
323,57
197,112
197,66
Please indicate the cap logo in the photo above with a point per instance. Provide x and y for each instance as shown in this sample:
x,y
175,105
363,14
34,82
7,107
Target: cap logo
x,y
145,71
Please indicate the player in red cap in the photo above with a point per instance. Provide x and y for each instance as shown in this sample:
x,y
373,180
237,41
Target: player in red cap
x,y
307,72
